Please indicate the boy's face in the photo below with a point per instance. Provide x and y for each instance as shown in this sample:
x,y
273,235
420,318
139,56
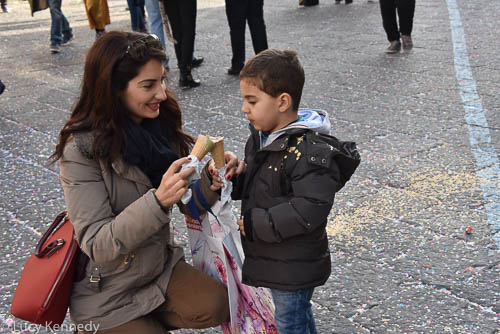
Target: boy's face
x,y
261,109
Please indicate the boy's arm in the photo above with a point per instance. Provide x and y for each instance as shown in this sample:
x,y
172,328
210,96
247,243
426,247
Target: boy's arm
x,y
307,209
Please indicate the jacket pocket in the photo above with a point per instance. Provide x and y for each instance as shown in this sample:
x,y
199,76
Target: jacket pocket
x,y
119,265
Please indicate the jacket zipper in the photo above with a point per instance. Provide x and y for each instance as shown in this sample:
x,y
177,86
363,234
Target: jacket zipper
x,y
59,276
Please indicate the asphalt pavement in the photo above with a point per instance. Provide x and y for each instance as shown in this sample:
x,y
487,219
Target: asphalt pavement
x,y
427,124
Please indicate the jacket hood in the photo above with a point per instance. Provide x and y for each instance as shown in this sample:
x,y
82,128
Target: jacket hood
x,y
313,119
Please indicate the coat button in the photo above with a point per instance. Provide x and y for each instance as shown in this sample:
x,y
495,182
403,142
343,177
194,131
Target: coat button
x,y
282,145
313,158
323,160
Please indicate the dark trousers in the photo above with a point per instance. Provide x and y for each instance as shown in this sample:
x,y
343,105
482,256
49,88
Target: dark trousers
x,y
137,15
182,17
404,10
238,12
3,3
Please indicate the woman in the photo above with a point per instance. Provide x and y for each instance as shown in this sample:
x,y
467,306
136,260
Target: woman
x,y
119,159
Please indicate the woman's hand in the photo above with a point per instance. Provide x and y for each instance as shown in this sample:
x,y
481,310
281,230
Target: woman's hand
x,y
233,166
174,183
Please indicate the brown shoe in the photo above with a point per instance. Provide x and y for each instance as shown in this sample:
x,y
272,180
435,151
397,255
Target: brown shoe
x,y
394,47
407,42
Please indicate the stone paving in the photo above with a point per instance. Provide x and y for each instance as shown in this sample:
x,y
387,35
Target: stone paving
x,y
401,260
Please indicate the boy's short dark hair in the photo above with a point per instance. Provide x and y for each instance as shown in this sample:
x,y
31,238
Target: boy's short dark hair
x,y
275,72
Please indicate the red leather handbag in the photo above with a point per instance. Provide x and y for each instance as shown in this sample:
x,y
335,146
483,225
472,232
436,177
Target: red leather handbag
x,y
43,291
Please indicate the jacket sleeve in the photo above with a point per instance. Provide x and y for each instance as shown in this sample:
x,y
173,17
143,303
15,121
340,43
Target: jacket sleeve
x,y
101,233
313,190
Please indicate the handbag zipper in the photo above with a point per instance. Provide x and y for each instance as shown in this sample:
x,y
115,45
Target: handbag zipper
x,y
59,276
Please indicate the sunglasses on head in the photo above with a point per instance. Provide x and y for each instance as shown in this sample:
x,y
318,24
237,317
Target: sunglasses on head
x,y
137,49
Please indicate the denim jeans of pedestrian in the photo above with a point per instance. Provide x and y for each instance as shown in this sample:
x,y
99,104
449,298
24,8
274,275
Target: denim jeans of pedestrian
x,y
156,22
294,312
137,18
60,25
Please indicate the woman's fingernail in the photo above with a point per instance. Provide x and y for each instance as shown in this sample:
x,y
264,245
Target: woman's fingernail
x,y
228,177
189,158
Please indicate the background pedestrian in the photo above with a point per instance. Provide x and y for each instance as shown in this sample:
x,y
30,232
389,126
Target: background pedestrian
x,y
60,30
98,15
3,4
182,17
391,11
137,15
238,13
155,19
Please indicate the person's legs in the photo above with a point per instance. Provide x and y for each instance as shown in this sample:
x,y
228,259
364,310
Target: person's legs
x,y
67,32
255,17
141,16
147,324
3,4
406,10
173,14
56,25
293,313
188,16
388,11
155,20
194,300
236,18
133,14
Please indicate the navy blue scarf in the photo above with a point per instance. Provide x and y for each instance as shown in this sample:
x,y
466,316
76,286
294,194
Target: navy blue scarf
x,y
147,147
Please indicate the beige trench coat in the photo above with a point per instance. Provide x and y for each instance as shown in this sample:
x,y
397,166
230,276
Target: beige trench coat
x,y
121,227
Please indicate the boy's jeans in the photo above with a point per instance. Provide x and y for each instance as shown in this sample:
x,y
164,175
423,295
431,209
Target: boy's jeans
x,y
60,25
293,311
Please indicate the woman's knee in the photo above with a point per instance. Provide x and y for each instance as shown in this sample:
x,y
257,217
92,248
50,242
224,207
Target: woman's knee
x,y
220,305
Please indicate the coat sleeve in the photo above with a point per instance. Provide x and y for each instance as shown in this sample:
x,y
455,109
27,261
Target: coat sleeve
x,y
313,191
102,234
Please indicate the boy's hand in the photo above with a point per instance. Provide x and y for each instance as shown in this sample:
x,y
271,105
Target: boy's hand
x,y
241,226
216,179
233,165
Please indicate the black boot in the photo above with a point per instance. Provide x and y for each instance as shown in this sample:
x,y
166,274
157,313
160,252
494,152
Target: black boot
x,y
186,78
196,61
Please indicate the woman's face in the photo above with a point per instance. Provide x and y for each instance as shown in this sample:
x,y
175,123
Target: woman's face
x,y
145,92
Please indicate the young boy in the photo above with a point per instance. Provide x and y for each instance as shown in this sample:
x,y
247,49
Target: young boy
x,y
293,170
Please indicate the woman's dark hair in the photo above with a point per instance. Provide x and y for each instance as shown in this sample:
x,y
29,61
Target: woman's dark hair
x,y
111,63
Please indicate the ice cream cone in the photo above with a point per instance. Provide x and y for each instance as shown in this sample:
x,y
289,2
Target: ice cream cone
x,y
202,146
218,152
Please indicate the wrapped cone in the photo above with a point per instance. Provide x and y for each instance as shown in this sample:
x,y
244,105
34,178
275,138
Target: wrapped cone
x,y
218,152
202,146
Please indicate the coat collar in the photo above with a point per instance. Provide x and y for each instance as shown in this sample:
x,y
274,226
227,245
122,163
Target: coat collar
x,y
129,172
84,142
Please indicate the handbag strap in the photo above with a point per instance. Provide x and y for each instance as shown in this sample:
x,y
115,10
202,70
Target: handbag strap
x,y
55,244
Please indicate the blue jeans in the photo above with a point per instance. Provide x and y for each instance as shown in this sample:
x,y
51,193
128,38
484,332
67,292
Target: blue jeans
x,y
60,25
137,19
156,22
293,311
